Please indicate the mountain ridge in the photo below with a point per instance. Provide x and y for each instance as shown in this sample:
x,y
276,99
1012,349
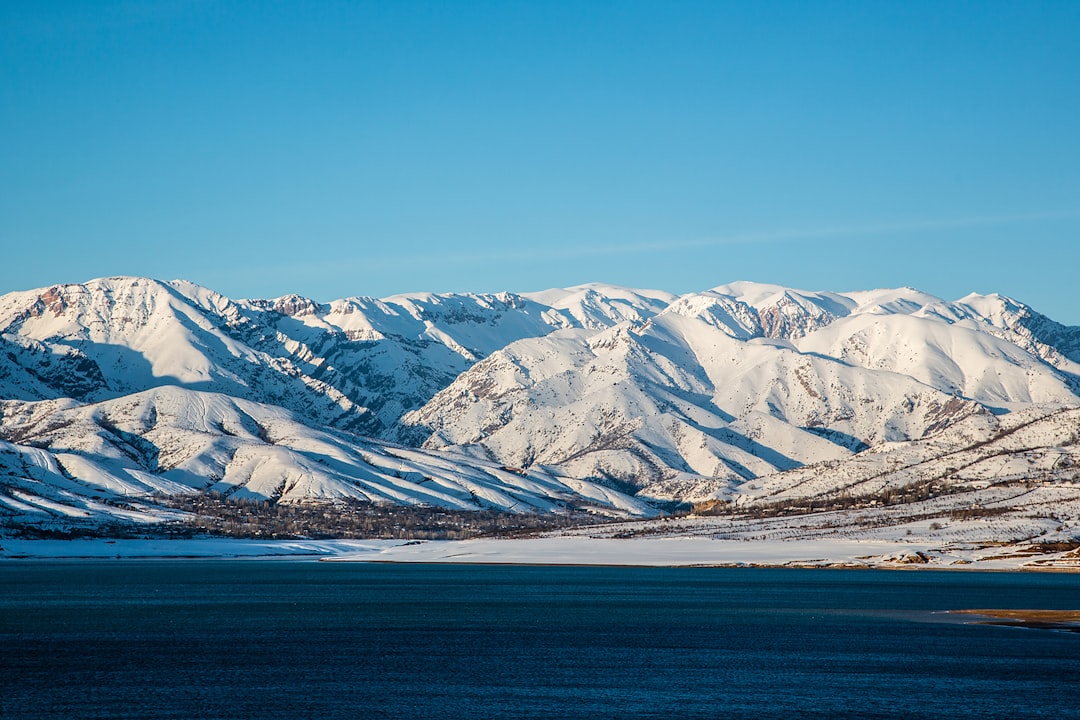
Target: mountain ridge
x,y
683,398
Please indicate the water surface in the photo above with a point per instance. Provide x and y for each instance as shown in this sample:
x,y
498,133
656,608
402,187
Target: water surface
x,y
288,639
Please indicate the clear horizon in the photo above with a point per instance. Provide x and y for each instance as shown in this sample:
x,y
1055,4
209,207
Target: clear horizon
x,y
382,148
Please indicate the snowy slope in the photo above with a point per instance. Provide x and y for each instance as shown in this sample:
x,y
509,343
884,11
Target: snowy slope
x,y
956,358
748,380
130,334
1031,448
675,397
677,406
63,458
356,363
1056,344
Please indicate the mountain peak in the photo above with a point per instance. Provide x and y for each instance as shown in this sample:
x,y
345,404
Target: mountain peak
x,y
600,382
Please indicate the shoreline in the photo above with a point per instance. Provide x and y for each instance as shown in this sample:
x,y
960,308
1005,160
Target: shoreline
x,y
561,551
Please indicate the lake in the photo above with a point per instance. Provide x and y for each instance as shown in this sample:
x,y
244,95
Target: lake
x,y
300,639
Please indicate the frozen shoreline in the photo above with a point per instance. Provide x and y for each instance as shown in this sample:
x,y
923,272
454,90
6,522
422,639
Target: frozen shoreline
x,y
198,548
647,552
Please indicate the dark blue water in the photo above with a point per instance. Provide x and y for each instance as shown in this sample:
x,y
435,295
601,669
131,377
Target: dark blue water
x,y
258,639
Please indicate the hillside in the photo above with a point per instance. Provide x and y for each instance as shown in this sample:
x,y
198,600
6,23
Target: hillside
x,y
120,393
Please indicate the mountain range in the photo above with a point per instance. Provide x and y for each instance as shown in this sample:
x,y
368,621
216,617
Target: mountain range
x,y
598,398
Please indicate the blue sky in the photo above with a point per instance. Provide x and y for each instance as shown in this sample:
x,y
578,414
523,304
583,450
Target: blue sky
x,y
371,148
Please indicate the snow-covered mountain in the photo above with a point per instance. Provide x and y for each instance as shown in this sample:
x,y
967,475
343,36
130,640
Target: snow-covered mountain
x,y
675,407
135,386
1033,449
356,364
110,459
748,380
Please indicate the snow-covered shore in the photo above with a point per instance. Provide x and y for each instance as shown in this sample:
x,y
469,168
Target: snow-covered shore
x,y
200,548
699,551
658,552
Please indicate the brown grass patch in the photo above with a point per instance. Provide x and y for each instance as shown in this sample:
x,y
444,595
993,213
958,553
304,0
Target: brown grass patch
x,y
1040,619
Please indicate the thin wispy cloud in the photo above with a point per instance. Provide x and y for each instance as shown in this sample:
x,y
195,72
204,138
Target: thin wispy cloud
x,y
365,263
836,232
